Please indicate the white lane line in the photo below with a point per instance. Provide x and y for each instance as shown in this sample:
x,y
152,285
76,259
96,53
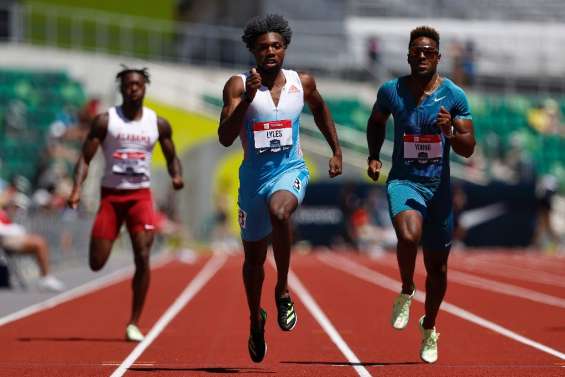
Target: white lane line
x,y
535,262
384,281
495,286
325,323
199,281
507,289
81,290
519,273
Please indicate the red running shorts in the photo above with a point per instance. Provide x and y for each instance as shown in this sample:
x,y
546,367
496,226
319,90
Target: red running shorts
x,y
134,207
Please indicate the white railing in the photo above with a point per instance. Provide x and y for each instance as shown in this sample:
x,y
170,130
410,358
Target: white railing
x,y
506,10
337,48
315,45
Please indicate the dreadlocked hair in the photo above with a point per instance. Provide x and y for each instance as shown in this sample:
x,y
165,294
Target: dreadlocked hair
x,y
266,24
424,31
127,70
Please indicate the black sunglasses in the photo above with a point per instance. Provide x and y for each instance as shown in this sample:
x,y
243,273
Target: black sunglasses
x,y
428,51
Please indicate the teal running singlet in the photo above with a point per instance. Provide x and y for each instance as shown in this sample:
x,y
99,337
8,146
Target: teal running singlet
x,y
421,152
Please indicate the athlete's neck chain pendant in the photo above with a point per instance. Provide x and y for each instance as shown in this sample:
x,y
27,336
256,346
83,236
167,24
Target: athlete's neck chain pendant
x,y
434,86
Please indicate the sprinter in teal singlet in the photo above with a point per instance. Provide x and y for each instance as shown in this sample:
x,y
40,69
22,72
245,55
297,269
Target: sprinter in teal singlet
x,y
263,107
431,117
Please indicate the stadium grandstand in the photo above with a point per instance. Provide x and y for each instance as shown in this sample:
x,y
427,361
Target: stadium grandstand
x,y
499,10
515,92
57,71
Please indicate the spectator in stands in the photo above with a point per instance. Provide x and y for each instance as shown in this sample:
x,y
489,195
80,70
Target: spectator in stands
x,y
365,234
170,230
374,56
222,237
476,165
546,118
349,201
377,207
64,141
15,239
545,235
367,231
463,57
469,62
456,54
459,202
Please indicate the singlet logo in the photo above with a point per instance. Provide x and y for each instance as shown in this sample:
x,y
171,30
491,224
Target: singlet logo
x,y
133,139
293,89
130,162
297,184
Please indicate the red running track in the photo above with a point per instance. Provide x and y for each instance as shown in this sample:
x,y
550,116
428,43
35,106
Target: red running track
x,y
198,319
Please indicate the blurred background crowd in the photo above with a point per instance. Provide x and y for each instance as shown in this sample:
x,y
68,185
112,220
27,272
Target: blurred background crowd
x,y
57,72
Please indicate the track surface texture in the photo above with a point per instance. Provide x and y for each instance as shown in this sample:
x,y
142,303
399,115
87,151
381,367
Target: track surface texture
x,y
503,315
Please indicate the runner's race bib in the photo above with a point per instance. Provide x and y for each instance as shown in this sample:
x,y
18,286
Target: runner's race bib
x,y
422,149
129,162
273,136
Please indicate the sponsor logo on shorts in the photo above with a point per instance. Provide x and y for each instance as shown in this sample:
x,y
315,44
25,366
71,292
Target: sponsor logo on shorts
x,y
242,218
297,184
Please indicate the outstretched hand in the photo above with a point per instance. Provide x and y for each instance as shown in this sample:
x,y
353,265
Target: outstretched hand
x,y
252,83
374,169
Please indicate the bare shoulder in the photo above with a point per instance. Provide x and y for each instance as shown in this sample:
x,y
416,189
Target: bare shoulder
x,y
101,120
163,125
162,121
99,126
308,83
234,85
307,79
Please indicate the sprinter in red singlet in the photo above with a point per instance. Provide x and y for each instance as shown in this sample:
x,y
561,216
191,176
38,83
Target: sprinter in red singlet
x,y
127,134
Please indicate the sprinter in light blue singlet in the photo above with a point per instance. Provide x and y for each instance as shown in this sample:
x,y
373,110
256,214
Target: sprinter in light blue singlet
x,y
431,117
263,108
273,158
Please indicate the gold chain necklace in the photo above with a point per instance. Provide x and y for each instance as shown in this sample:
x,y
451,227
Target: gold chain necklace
x,y
434,87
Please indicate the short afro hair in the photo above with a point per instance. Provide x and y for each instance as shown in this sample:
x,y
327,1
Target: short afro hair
x,y
266,24
424,31
127,70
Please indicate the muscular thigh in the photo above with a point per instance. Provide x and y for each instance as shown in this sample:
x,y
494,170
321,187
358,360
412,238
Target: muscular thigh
x,y
438,226
253,215
253,201
437,235
404,196
293,181
287,192
140,216
109,219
